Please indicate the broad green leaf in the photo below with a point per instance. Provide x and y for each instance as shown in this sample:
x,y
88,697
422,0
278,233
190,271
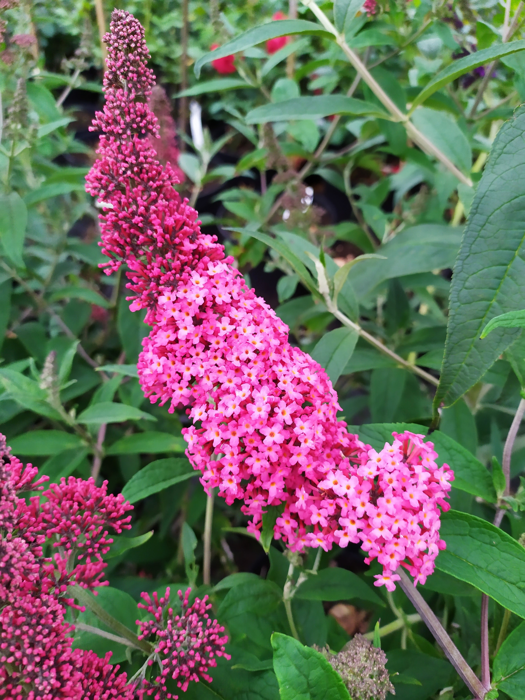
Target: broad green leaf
x,y
5,308
126,370
54,189
27,393
470,475
303,673
13,223
313,107
122,544
217,85
45,443
107,412
256,35
342,274
288,255
488,277
441,129
119,605
63,464
334,350
417,249
484,556
157,476
386,389
465,65
512,319
235,580
268,524
344,13
47,129
84,293
336,584
152,442
260,597
431,673
509,665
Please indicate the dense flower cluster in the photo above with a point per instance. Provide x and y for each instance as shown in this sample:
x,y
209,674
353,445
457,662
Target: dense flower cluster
x,y
187,644
264,413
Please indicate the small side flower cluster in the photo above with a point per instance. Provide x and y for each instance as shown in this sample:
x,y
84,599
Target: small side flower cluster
x,y
35,641
187,644
37,659
363,669
264,412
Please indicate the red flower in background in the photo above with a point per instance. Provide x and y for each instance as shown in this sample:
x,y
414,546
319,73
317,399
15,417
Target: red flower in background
x,y
223,65
370,7
273,45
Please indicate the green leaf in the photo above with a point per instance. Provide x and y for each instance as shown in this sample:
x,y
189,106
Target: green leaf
x,y
303,673
84,293
217,85
509,665
512,319
13,223
417,249
278,56
126,370
470,475
488,276
334,350
27,393
63,464
386,389
287,254
5,308
344,13
53,189
342,274
313,107
235,580
466,65
256,35
442,130
498,478
268,524
47,129
336,584
484,556
152,442
44,443
107,412
157,476
119,605
122,544
261,597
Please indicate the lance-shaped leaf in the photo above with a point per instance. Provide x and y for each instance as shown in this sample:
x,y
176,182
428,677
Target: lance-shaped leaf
x,y
217,85
157,476
313,107
465,65
256,35
512,319
489,274
341,274
13,223
484,556
344,12
509,665
334,350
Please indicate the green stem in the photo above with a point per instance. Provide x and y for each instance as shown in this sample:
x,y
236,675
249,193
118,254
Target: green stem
x,y
394,626
88,600
503,630
107,635
208,521
288,593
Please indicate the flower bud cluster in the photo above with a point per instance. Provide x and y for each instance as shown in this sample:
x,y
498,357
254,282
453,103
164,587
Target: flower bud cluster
x,y
188,644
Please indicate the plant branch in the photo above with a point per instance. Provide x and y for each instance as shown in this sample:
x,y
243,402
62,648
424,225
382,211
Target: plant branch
x,y
288,593
208,521
440,635
417,136
507,34
183,109
101,23
485,656
88,600
97,461
394,626
509,444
